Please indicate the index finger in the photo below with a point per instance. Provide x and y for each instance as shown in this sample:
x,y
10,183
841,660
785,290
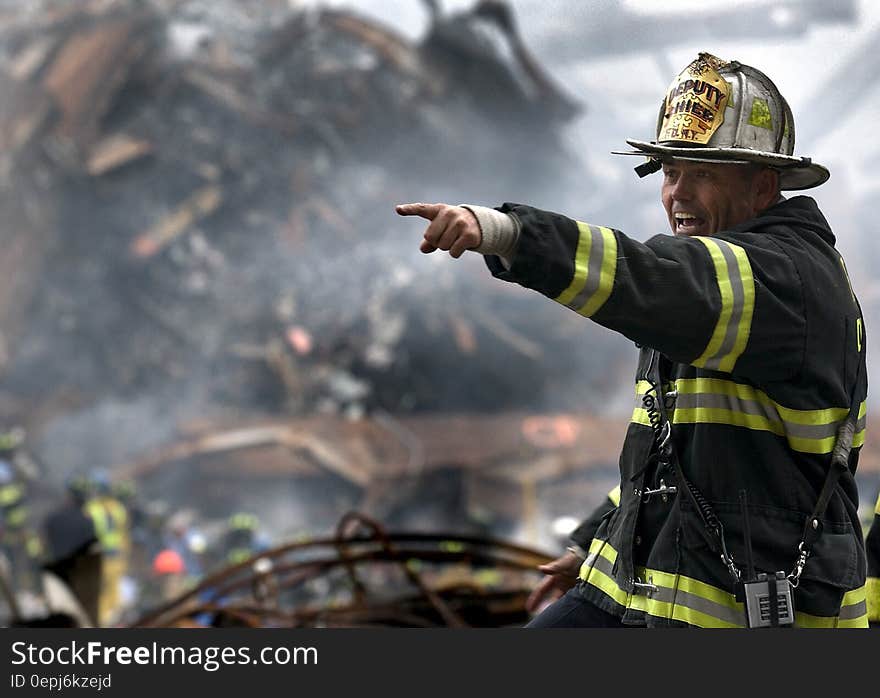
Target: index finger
x,y
427,211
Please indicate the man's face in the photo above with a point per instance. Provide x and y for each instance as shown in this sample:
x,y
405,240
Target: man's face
x,y
703,198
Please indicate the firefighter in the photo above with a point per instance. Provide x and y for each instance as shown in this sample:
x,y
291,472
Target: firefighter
x,y
738,503
73,552
19,542
111,526
872,541
242,540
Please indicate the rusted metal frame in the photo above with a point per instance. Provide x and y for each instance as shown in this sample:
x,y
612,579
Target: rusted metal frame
x,y
452,619
533,558
305,570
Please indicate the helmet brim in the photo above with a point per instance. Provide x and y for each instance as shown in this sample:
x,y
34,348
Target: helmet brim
x,y
794,173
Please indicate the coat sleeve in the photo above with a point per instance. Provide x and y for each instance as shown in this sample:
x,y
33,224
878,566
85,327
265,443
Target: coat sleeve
x,y
586,531
714,302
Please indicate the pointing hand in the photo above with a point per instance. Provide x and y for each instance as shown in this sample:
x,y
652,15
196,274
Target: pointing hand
x,y
452,228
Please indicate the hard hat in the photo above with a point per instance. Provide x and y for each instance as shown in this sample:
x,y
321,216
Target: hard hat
x,y
78,485
724,111
168,562
124,489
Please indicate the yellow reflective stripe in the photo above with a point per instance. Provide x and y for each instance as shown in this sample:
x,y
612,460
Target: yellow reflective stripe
x,y
96,514
591,574
718,415
33,546
697,588
736,284
9,494
107,526
672,611
16,517
859,436
614,496
596,545
606,275
872,597
608,586
719,401
581,258
744,327
595,265
692,601
597,548
117,512
859,439
877,506
855,599
723,280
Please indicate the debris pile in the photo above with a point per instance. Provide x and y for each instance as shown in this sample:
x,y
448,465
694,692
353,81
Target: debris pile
x,y
205,280
208,220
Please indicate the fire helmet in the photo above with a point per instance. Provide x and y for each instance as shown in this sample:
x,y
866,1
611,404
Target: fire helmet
x,y
725,111
168,561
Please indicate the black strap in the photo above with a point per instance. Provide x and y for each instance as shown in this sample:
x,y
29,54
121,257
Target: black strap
x,y
839,459
667,453
773,600
649,167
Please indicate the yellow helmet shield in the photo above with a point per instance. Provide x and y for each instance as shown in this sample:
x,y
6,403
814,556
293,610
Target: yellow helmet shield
x,y
695,102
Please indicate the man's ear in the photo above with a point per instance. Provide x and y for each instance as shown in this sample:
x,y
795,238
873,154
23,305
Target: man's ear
x,y
766,188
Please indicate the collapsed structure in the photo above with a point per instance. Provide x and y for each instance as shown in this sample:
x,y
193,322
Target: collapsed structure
x,y
205,290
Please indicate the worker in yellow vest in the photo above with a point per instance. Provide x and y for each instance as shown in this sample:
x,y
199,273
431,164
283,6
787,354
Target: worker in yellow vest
x,y
19,542
112,529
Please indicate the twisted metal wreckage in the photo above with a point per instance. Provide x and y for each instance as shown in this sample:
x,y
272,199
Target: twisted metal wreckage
x,y
364,578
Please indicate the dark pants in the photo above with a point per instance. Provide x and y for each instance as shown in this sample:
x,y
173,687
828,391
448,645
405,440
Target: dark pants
x,y
574,611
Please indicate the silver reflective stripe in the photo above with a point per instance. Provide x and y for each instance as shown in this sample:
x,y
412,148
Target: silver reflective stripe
x,y
594,270
854,611
696,603
736,286
596,561
754,407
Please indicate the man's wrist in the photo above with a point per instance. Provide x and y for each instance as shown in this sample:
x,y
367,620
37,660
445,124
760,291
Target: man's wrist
x,y
577,551
500,231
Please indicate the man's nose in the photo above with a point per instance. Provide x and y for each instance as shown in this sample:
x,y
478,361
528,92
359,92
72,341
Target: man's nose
x,y
683,188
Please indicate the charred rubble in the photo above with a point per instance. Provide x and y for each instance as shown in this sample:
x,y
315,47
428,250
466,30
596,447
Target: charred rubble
x,y
222,220
204,268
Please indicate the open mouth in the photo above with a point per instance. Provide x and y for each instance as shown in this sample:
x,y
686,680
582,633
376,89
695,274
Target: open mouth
x,y
688,222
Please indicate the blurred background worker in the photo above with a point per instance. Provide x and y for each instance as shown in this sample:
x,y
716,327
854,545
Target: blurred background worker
x,y
19,543
242,539
111,527
169,572
73,556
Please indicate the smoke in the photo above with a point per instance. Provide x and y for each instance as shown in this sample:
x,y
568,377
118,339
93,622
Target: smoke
x,y
306,237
